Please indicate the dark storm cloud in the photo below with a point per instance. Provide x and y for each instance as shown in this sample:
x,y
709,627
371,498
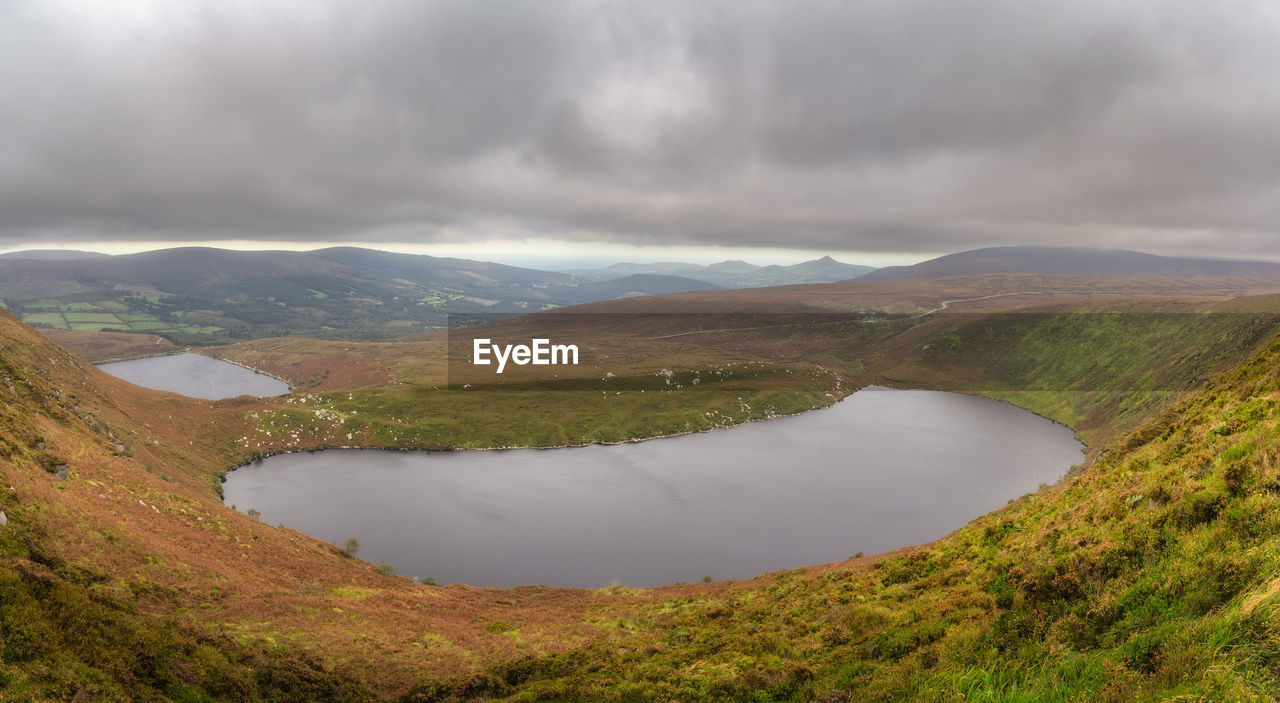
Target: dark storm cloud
x,y
900,125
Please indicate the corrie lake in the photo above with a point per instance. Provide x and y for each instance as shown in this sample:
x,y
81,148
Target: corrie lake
x,y
195,376
880,470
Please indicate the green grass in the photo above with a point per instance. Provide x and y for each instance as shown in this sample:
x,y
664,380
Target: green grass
x,y
1152,576
81,307
68,635
91,317
52,319
1096,372
69,631
99,327
145,322
150,325
201,329
578,412
80,319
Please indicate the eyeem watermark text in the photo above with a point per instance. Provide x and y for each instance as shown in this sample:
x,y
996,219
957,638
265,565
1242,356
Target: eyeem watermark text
x,y
539,352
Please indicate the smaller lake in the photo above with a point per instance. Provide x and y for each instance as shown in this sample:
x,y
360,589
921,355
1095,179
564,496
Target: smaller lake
x,y
196,376
880,470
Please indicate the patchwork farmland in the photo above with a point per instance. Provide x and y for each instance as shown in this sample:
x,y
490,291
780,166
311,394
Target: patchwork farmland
x,y
107,315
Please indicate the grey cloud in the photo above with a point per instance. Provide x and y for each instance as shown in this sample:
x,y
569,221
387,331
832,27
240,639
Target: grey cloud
x,y
904,125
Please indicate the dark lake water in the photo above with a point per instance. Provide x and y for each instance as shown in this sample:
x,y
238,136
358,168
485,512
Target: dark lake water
x,y
196,376
881,469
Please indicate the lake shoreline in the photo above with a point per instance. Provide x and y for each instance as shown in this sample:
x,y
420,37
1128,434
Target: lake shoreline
x,y
180,377
889,471
603,443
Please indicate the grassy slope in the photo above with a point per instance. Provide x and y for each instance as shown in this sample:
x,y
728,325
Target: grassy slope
x,y
1098,372
1090,372
138,517
546,414
1097,375
68,626
966,617
129,580
397,394
703,640
99,347
1153,576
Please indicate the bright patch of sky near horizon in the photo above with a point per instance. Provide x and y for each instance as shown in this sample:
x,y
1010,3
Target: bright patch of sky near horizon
x,y
538,254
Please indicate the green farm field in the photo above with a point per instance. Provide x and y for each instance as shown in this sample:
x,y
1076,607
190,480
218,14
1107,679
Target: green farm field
x,y
91,317
49,319
112,315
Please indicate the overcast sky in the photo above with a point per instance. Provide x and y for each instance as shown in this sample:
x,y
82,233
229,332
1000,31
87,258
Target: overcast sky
x,y
893,130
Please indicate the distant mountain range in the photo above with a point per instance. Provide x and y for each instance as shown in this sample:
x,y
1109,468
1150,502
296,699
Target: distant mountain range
x,y
51,254
200,295
1070,261
739,274
195,294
